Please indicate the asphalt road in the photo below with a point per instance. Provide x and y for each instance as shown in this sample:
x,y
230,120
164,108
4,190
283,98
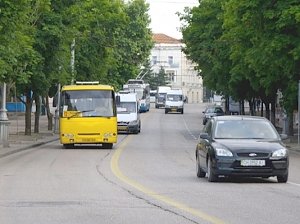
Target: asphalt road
x,y
146,178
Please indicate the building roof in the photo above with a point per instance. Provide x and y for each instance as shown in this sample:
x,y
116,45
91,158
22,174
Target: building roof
x,y
160,38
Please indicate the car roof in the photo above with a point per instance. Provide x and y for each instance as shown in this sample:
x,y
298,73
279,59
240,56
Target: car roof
x,y
214,106
238,117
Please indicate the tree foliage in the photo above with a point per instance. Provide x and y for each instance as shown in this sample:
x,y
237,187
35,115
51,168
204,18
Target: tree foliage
x,y
112,41
246,49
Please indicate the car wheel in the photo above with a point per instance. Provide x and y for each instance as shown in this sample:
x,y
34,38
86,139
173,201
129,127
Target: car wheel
x,y
200,172
107,145
166,111
282,179
210,175
68,146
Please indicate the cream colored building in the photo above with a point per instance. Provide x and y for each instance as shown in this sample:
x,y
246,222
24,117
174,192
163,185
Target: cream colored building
x,y
167,54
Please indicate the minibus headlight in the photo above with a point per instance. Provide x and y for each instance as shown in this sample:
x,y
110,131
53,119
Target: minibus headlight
x,y
68,135
107,135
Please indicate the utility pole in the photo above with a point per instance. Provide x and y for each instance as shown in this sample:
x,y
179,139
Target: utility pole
x,y
4,122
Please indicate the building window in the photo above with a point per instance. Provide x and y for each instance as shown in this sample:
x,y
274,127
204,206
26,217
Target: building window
x,y
171,77
170,60
154,60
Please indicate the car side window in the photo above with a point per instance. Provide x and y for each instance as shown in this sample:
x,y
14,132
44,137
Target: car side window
x,y
218,110
207,128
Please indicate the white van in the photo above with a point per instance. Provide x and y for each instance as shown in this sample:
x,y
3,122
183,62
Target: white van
x,y
128,114
174,101
161,96
152,96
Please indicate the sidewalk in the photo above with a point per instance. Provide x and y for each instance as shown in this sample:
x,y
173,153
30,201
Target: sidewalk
x,y
292,144
18,141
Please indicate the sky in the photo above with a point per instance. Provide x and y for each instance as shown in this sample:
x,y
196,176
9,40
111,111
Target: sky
x,y
163,15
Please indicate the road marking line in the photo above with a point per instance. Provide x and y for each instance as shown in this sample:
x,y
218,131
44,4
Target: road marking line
x,y
189,131
295,184
118,173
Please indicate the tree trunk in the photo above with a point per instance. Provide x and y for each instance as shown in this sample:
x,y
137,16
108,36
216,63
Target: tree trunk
x,y
273,112
242,107
227,105
37,113
251,107
262,109
49,114
28,106
267,104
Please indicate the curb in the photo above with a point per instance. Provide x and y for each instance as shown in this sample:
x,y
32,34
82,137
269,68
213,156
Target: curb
x,y
30,146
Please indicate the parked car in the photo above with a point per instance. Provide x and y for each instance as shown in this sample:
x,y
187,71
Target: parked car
x,y
212,111
245,146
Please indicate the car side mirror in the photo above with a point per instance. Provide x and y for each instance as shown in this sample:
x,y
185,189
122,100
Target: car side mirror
x,y
283,136
204,136
118,100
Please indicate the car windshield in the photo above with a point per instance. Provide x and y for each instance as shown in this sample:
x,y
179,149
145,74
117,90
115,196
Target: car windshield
x,y
214,110
245,129
173,97
126,107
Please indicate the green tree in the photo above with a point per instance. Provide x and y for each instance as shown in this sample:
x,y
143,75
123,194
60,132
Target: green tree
x,y
52,43
33,60
246,49
134,41
202,36
263,46
112,38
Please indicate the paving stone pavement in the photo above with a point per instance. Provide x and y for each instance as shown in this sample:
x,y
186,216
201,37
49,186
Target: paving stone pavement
x,y
18,141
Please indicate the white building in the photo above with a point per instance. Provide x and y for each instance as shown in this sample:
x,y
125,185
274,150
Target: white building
x,y
167,54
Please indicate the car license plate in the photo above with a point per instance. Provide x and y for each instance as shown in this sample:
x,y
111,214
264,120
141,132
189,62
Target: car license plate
x,y
88,140
249,162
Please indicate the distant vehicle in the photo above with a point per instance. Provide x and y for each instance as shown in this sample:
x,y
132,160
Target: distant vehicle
x,y
128,112
161,96
152,96
87,115
234,106
212,111
218,99
142,90
244,146
174,101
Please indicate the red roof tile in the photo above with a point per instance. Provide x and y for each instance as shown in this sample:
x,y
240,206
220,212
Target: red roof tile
x,y
160,38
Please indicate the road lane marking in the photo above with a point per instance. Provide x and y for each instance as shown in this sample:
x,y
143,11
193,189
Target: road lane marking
x,y
118,173
187,128
295,184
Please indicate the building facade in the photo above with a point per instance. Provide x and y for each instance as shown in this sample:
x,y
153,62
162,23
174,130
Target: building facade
x,y
167,54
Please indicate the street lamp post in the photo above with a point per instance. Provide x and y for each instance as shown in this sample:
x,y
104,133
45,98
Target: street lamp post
x,y
4,122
